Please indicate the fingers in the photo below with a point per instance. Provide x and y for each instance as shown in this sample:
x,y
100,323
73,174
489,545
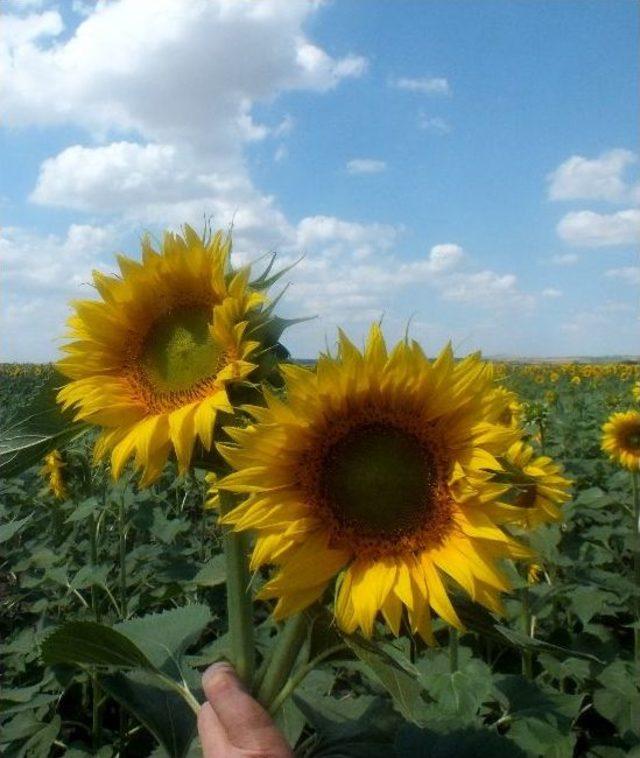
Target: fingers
x,y
244,721
213,738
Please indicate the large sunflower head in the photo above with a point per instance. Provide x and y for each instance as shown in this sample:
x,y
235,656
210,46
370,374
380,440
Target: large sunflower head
x,y
374,469
52,473
621,439
536,488
152,360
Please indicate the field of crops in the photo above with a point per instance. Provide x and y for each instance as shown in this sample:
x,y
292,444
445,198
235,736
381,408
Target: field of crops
x,y
554,677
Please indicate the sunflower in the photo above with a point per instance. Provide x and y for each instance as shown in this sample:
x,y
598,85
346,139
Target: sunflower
x,y
537,488
635,391
621,439
150,363
51,472
373,470
504,407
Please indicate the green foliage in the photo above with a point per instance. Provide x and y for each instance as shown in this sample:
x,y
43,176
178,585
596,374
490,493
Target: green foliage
x,y
143,623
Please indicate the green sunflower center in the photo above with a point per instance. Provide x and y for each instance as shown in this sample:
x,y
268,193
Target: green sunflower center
x,y
379,479
179,351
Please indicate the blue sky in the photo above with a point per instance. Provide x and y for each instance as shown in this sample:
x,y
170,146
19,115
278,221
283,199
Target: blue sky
x,y
472,167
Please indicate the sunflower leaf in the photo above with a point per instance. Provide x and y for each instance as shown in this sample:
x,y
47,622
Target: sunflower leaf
x,y
162,711
399,681
37,429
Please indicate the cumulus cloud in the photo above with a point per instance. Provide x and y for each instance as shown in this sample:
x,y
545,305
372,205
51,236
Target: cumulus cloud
x,y
627,274
590,229
365,166
153,88
445,256
49,263
551,292
601,178
435,85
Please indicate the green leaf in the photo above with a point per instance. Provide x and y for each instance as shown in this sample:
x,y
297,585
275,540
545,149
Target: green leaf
x,y
542,738
88,576
461,743
588,601
290,721
399,681
164,637
362,727
39,744
85,643
212,574
83,510
162,711
7,531
619,700
541,719
41,428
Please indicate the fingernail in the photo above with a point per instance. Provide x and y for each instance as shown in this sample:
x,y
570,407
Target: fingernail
x,y
220,667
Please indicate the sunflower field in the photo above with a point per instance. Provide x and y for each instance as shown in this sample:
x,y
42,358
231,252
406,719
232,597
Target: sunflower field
x,y
401,551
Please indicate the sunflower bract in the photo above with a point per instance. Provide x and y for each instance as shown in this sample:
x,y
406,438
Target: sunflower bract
x,y
151,361
377,469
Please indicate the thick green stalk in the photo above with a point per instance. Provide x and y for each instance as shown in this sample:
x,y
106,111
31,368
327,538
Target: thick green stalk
x,y
287,648
239,599
636,562
454,637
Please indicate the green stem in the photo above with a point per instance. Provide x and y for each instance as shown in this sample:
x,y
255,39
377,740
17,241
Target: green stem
x,y
290,641
527,656
123,557
93,548
95,682
636,563
454,638
239,599
295,680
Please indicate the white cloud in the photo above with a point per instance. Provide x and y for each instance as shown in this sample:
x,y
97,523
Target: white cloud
x,y
365,166
50,263
566,259
150,86
627,274
424,85
485,288
433,124
601,178
445,256
590,229
551,292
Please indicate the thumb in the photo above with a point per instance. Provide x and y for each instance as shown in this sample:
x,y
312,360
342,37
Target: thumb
x,y
238,717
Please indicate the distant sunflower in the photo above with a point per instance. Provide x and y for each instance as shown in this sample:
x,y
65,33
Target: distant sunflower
x,y
151,362
621,439
51,472
537,488
373,469
635,391
504,407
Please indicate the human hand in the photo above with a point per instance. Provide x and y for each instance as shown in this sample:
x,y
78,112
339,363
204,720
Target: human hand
x,y
232,724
